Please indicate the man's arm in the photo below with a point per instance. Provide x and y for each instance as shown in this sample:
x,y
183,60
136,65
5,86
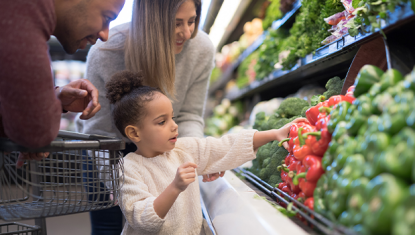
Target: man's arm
x,y
29,107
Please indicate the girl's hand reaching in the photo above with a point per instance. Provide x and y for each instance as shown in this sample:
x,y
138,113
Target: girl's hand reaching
x,y
185,175
263,137
282,133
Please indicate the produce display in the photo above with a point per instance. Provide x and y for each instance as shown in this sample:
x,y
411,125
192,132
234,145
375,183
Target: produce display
x,y
270,156
308,141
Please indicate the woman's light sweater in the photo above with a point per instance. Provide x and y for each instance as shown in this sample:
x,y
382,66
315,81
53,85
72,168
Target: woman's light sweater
x,y
194,65
147,178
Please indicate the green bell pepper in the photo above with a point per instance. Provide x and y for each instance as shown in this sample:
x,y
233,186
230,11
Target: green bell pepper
x,y
364,105
356,199
399,157
320,204
342,108
368,75
374,90
404,216
337,202
343,154
376,143
397,89
327,159
390,78
409,82
354,121
381,101
340,132
383,193
353,169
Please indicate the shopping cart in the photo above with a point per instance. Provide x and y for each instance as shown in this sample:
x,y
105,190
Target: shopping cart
x,y
82,173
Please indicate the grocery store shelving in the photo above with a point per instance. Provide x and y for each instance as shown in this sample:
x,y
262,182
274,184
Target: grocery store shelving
x,y
226,76
328,59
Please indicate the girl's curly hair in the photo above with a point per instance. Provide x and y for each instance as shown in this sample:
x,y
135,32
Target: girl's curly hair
x,y
126,92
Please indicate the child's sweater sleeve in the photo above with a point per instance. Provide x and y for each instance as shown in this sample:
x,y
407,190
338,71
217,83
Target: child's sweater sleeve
x,y
219,154
137,203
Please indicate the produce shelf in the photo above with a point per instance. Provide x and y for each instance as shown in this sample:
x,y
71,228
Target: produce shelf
x,y
329,57
318,221
226,76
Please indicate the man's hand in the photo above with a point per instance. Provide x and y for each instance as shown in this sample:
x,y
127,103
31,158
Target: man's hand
x,y
185,175
80,96
30,156
213,177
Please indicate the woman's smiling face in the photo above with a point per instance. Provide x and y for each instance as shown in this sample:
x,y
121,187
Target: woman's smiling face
x,y
185,24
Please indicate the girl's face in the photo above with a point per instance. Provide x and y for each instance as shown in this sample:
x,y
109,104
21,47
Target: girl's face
x,y
185,24
158,131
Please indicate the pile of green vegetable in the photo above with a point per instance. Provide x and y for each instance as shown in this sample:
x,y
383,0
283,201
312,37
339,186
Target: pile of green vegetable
x,y
309,29
369,184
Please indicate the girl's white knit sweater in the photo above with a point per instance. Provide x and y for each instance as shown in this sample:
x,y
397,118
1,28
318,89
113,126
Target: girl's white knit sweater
x,y
147,178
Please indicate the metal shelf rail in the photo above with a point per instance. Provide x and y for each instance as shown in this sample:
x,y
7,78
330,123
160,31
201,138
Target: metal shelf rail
x,y
325,57
226,76
318,221
82,173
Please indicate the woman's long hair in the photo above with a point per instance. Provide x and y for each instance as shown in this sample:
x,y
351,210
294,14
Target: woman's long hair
x,y
150,42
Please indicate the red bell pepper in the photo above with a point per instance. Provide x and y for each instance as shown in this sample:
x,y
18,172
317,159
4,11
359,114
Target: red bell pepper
x,y
318,146
293,133
287,172
309,203
322,120
339,98
311,172
313,112
302,147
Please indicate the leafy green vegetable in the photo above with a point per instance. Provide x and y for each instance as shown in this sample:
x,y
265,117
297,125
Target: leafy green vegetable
x,y
273,13
292,107
310,29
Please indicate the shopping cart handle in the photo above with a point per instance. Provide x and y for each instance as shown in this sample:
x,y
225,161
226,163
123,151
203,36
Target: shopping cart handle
x,y
81,136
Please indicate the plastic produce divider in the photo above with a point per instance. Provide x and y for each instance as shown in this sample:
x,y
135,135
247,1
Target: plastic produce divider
x,y
324,225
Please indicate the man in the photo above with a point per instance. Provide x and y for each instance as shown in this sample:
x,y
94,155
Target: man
x,y
30,105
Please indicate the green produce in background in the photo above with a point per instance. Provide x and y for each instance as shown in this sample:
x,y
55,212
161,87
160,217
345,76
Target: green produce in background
x,y
334,87
273,13
268,53
292,107
309,29
404,216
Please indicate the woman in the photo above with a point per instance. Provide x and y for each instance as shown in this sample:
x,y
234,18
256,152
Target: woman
x,y
163,42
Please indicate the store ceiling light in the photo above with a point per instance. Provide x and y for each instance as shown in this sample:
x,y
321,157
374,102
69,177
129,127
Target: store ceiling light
x,y
225,15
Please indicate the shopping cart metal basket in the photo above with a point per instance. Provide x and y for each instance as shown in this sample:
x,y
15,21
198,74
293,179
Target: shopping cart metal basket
x,y
82,173
15,228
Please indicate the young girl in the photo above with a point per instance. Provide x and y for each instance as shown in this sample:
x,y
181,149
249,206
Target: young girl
x,y
160,194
